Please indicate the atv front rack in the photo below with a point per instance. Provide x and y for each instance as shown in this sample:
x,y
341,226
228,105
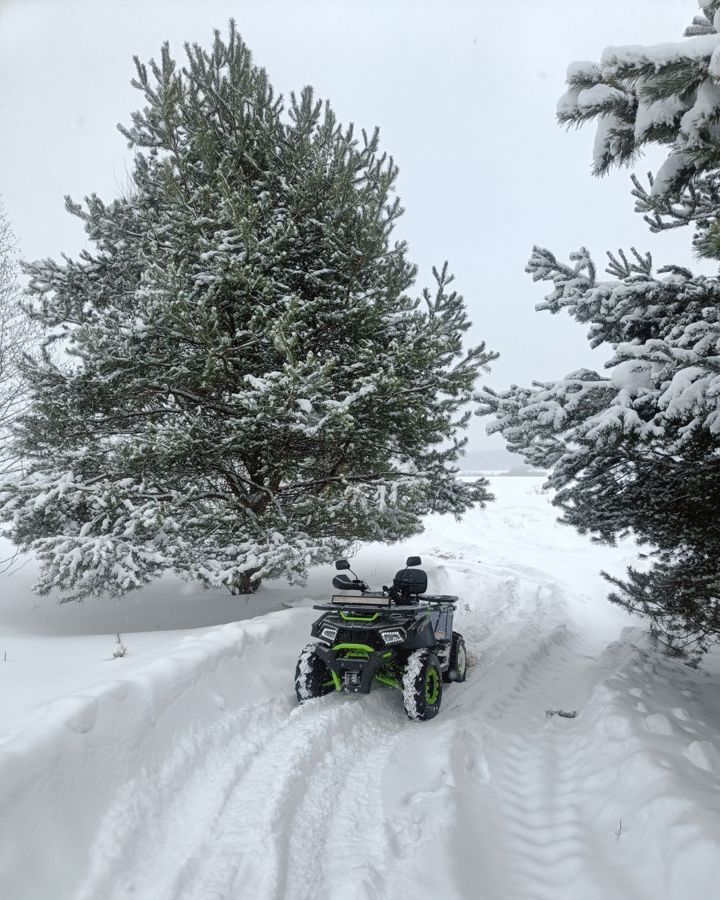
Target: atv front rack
x,y
369,598
371,601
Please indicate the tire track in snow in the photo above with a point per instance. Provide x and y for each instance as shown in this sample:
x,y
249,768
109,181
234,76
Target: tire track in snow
x,y
162,815
268,776
543,846
321,821
261,808
339,815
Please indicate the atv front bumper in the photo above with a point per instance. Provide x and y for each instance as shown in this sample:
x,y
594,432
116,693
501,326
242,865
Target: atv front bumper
x,y
354,674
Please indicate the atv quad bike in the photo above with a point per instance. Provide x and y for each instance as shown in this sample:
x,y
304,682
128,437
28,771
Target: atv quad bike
x,y
390,637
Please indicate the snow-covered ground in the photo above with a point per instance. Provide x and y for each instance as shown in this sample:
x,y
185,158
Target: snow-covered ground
x,y
186,770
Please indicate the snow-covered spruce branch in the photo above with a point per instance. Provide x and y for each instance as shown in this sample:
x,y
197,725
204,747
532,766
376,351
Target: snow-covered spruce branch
x,y
665,94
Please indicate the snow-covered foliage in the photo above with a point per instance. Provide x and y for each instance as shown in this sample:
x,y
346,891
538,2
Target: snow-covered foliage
x,y
15,337
638,449
247,386
666,94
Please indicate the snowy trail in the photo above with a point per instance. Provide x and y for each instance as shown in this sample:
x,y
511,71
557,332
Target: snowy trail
x,y
343,797
541,791
225,789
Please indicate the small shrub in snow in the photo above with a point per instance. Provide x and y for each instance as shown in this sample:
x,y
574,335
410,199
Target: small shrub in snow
x,y
120,648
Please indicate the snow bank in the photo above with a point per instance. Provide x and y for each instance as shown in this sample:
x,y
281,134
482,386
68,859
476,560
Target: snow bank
x,y
59,776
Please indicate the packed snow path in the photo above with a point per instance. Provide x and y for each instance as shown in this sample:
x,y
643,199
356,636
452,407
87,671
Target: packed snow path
x,y
225,788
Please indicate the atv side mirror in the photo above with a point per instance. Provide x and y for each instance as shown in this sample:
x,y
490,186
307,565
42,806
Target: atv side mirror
x,y
342,564
413,561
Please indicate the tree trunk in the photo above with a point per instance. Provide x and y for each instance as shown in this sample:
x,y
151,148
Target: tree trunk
x,y
245,583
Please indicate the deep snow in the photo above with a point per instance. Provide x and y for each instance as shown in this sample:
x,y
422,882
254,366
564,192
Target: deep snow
x,y
186,770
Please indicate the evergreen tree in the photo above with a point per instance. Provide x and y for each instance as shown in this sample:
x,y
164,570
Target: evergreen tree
x,y
246,385
637,450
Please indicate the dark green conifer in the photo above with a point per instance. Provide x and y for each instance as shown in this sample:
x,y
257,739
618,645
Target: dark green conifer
x,y
636,450
246,384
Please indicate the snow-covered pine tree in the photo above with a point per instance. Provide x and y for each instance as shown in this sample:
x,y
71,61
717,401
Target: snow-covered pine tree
x,y
637,450
247,387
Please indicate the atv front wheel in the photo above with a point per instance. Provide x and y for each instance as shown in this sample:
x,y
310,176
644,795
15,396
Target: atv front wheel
x,y
312,676
457,669
422,685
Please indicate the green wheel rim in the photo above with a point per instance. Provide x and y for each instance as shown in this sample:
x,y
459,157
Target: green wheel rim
x,y
432,686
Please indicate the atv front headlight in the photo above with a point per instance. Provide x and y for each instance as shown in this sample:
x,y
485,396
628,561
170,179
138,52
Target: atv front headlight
x,y
329,633
393,635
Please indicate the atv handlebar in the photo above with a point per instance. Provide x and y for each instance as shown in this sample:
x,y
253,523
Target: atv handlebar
x,y
343,583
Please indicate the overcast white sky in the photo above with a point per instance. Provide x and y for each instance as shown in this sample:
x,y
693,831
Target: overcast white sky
x,y
464,94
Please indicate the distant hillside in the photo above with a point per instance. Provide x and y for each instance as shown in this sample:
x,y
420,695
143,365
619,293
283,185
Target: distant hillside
x,y
500,462
490,461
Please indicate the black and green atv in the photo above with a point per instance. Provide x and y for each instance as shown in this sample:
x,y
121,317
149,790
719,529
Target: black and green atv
x,y
391,637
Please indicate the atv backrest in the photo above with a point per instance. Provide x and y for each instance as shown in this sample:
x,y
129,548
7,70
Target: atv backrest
x,y
410,581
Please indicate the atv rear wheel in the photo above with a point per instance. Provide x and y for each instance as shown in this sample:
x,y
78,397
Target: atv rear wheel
x,y
457,668
312,676
422,685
